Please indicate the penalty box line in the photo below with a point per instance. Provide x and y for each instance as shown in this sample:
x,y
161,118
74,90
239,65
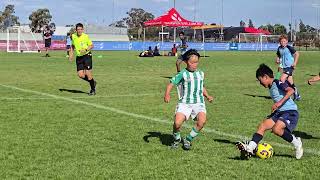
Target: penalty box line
x,y
139,116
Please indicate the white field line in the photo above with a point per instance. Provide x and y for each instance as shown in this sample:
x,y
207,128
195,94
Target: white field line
x,y
83,97
138,116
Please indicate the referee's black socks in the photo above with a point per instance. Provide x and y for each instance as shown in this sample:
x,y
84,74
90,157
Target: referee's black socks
x,y
92,84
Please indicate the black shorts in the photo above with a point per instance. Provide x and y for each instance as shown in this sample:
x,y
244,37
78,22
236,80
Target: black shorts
x,y
47,43
288,71
68,47
84,62
289,117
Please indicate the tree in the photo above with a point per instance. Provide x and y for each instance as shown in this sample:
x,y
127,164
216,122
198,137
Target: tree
x,y
121,24
242,24
7,18
279,29
302,27
250,24
39,19
136,18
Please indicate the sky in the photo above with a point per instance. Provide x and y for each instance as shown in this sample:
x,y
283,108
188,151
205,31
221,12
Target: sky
x,y
227,12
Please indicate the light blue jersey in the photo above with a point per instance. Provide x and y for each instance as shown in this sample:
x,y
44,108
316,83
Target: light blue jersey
x,y
277,92
286,55
68,41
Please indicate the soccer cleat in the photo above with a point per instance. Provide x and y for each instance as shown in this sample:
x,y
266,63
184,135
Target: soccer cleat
x,y
186,144
299,149
92,92
175,144
242,147
296,95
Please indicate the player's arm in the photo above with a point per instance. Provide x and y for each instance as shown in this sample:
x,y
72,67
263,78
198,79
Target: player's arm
x,y
295,55
278,57
289,92
167,93
205,94
173,81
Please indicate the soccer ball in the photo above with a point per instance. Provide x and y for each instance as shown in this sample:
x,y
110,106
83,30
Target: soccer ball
x,y
264,151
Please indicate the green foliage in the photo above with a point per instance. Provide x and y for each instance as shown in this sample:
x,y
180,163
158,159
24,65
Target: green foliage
x,y
250,23
7,17
39,19
44,137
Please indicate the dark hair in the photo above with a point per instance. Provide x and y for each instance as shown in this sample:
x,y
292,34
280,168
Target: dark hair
x,y
79,25
186,56
181,33
264,70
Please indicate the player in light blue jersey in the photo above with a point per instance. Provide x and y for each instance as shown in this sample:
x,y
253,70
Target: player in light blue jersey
x,y
283,119
287,58
191,102
68,43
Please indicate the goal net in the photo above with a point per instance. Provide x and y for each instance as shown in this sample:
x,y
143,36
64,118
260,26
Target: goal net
x,y
21,41
259,40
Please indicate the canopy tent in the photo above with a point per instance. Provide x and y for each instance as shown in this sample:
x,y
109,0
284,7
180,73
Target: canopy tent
x,y
172,18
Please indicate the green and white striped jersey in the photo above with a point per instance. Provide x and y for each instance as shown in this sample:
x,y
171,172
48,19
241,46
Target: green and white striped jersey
x,y
192,86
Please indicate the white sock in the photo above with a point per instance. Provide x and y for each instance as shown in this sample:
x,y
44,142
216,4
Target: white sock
x,y
251,146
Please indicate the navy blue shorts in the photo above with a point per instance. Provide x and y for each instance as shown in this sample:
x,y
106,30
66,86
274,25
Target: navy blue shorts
x,y
290,118
288,71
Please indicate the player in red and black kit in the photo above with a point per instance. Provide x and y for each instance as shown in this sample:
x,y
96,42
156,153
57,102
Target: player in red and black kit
x,y
47,34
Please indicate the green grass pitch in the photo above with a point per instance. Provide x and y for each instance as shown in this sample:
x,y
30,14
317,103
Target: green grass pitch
x,y
51,129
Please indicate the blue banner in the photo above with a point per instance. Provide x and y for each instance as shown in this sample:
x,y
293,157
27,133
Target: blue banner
x,y
166,46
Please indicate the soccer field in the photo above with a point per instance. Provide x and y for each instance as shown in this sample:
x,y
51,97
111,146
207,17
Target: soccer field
x,y
51,129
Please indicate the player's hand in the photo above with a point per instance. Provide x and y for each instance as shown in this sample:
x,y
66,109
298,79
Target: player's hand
x,y
83,51
278,61
294,65
210,99
275,106
167,98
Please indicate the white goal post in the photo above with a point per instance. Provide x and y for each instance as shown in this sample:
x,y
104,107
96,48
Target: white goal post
x,y
21,41
258,38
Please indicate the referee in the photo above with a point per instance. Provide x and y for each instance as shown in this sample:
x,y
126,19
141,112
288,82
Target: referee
x,y
82,45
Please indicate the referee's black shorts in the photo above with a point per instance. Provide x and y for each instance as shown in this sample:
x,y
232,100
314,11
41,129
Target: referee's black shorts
x,y
47,43
84,62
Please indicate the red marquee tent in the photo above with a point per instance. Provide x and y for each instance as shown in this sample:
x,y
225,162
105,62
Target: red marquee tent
x,y
172,18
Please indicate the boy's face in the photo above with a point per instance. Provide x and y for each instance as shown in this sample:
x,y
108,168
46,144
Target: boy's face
x,y
283,42
181,36
79,30
264,81
192,63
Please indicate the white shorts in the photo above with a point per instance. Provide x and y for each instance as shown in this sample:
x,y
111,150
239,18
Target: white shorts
x,y
191,109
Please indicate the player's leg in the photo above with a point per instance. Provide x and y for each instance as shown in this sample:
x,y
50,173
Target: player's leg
x,y
314,79
182,113
198,113
284,129
247,150
178,121
88,71
265,125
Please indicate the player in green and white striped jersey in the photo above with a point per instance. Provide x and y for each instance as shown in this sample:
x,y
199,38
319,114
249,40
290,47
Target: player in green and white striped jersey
x,y
191,102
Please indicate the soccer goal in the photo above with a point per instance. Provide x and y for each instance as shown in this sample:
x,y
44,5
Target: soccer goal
x,y
258,39
21,41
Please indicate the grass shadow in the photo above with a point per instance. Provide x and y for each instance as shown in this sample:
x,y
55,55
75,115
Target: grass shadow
x,y
224,141
252,95
72,91
165,139
304,135
166,77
